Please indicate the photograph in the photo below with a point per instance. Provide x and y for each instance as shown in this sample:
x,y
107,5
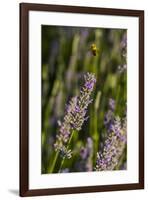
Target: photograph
x,y
83,99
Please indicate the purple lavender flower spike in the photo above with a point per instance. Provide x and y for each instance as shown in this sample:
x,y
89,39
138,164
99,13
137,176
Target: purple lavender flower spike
x,y
86,154
109,116
75,115
114,145
112,104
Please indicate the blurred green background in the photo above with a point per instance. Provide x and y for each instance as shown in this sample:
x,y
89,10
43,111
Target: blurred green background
x,y
66,56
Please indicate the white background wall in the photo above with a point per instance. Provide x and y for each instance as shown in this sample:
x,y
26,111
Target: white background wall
x,y
9,99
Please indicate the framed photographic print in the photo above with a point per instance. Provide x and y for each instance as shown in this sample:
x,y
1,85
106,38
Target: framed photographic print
x,y
81,99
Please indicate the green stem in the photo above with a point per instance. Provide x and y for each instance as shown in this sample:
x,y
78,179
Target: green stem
x,y
68,144
62,163
54,162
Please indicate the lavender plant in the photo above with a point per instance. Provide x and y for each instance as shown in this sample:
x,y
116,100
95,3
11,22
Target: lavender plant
x,y
71,151
115,144
74,118
86,154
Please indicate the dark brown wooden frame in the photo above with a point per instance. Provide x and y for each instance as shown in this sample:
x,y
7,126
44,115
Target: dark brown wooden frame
x,y
24,98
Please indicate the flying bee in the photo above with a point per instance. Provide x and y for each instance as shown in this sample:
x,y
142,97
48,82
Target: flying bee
x,y
94,49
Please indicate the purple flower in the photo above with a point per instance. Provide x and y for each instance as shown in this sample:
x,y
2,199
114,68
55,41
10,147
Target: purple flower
x,y
89,84
75,114
77,109
108,118
86,154
114,145
111,104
